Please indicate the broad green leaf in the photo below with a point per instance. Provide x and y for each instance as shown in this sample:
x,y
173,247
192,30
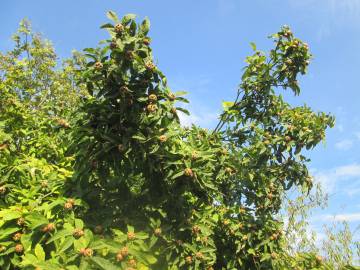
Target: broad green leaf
x,y
103,263
39,252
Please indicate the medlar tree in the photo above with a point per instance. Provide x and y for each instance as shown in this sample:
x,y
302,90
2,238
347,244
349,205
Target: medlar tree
x,y
215,193
135,189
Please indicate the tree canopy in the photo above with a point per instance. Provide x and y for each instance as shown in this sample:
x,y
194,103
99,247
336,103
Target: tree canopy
x,y
97,171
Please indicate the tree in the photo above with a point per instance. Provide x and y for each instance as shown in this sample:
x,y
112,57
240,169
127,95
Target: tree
x,y
135,189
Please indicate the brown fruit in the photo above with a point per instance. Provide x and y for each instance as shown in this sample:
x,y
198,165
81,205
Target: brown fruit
x,y
172,96
71,200
189,172
49,227
146,41
194,155
274,255
63,123
173,110
3,146
224,151
121,148
199,255
179,242
44,184
124,89
19,248
86,252
157,232
319,259
20,221
150,65
226,222
77,233
17,236
119,28
162,138
131,236
188,260
2,190
151,108
119,257
132,262
68,206
196,229
124,251
98,65
152,98
98,229
113,45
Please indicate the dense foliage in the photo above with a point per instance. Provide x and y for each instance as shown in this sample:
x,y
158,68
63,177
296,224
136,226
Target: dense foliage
x,y
97,172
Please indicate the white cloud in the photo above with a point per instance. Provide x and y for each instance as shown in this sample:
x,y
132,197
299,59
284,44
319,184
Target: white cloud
x,y
333,14
335,7
329,179
201,113
203,119
349,217
348,170
344,144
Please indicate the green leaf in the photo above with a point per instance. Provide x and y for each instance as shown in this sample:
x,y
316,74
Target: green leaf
x,y
35,220
39,252
66,244
127,18
4,233
9,214
60,234
178,174
112,16
103,263
107,25
180,93
79,224
145,26
253,46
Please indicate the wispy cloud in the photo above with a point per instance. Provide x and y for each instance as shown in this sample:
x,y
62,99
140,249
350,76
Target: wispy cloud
x,y
330,179
201,112
333,14
349,217
204,119
343,7
344,144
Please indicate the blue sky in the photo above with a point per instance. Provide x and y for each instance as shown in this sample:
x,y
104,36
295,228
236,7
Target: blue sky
x,y
201,46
